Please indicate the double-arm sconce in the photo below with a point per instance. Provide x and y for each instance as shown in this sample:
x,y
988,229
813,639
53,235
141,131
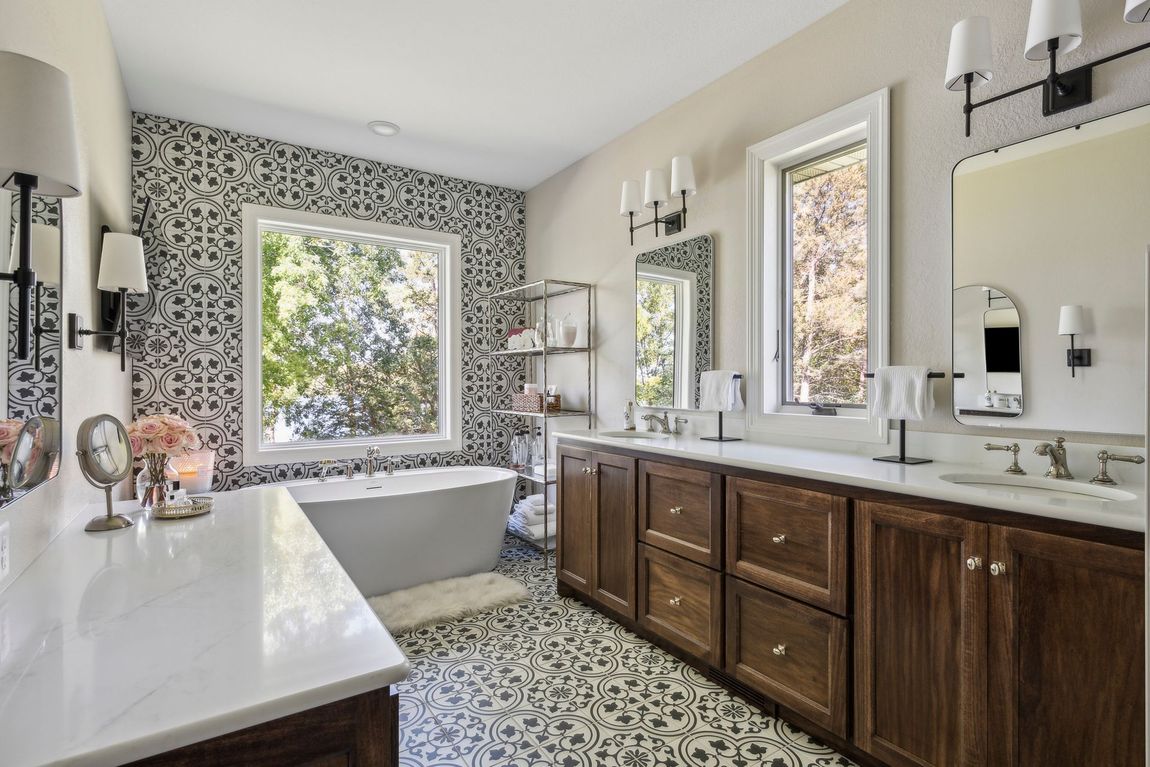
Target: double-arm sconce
x,y
37,156
122,271
1055,25
656,194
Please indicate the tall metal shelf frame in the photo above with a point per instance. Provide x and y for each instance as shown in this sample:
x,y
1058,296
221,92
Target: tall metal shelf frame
x,y
537,297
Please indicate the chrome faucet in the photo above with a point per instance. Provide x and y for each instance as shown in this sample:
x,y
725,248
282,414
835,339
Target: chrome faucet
x,y
657,423
325,465
1057,455
369,463
388,466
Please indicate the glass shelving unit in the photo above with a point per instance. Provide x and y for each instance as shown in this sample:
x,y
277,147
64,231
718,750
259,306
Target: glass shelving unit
x,y
536,298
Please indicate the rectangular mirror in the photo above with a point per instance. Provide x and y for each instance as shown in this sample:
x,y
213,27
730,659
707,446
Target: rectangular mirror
x,y
1059,220
30,388
673,293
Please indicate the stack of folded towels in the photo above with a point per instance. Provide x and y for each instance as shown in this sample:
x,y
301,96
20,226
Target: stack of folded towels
x,y
531,515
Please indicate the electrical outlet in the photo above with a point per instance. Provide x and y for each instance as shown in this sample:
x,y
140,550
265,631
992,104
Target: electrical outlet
x,y
5,550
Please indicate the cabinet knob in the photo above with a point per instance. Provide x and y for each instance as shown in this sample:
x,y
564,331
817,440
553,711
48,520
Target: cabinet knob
x,y
676,510
998,568
594,471
974,563
674,601
586,470
780,649
779,539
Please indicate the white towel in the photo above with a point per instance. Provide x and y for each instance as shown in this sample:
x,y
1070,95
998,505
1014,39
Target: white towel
x,y
537,470
532,532
518,518
535,513
903,392
719,390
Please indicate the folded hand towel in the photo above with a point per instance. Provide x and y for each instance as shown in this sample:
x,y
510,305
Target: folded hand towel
x,y
532,532
535,512
537,470
903,392
719,390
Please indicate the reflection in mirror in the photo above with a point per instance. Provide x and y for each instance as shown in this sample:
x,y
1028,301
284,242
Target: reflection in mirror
x,y
31,387
987,355
1055,221
35,456
673,294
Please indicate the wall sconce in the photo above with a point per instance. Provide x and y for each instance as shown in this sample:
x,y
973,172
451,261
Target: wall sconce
x,y
37,156
1054,25
45,255
122,271
1072,322
655,194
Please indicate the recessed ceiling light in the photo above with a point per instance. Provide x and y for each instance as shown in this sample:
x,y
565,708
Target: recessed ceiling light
x,y
383,128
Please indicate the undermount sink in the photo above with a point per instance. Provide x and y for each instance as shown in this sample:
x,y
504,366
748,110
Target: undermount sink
x,y
1038,487
634,434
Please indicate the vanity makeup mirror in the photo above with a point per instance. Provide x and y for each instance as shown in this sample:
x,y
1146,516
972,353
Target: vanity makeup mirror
x,y
673,294
105,455
1059,220
35,455
31,388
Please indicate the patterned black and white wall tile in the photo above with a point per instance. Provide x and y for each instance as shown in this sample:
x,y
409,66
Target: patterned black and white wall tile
x,y
186,340
697,256
30,391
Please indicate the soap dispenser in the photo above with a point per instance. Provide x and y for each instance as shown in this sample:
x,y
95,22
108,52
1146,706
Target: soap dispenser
x,y
629,416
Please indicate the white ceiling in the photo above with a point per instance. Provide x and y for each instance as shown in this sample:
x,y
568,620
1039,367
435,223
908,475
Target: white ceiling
x,y
503,91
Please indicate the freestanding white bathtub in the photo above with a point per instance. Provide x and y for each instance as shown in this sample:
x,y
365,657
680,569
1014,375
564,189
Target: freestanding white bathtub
x,y
413,527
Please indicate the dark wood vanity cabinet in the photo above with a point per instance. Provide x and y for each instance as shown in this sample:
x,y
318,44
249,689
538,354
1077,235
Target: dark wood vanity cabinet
x,y
595,545
980,644
911,631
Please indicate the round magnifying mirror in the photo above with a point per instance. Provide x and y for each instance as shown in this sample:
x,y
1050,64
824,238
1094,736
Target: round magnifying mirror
x,y
105,455
35,453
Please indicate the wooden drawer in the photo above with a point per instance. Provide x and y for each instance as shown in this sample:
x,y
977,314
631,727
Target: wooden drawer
x,y
792,653
790,540
682,602
680,511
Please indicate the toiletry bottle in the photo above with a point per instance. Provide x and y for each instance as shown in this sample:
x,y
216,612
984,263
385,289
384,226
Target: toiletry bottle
x,y
537,456
629,416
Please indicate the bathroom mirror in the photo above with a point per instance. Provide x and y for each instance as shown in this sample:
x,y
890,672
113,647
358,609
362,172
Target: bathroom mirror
x,y
987,354
673,295
36,453
31,388
1059,220
105,455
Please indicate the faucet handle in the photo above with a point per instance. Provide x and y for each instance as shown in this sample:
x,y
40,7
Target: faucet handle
x,y
1104,457
1013,449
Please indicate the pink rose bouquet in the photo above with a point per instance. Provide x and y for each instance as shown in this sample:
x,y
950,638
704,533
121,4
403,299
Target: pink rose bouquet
x,y
156,438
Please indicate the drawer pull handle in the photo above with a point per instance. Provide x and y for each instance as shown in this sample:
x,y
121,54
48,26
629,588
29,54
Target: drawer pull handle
x,y
780,649
779,539
998,568
974,563
674,601
586,470
676,510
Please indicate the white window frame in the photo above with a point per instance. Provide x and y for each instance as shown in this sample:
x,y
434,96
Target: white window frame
x,y
767,162
686,290
448,246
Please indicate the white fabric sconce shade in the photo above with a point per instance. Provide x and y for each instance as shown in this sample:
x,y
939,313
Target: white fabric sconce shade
x,y
1049,20
37,129
1137,11
630,201
1071,321
655,188
45,253
122,264
970,53
683,174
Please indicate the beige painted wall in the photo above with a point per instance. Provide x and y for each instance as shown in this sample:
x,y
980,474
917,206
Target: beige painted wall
x,y
1004,237
574,232
73,35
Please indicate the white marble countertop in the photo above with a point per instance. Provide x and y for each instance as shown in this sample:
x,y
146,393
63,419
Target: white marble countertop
x,y
120,645
924,480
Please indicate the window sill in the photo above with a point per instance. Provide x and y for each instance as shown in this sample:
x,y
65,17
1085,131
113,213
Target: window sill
x,y
349,449
854,428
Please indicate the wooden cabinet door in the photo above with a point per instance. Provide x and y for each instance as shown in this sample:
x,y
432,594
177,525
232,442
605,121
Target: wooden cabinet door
x,y
613,532
1066,651
920,637
574,549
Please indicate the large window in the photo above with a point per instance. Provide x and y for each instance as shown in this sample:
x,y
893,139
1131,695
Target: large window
x,y
349,330
818,266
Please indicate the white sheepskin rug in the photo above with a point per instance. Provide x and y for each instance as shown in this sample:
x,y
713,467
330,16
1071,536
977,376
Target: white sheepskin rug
x,y
450,599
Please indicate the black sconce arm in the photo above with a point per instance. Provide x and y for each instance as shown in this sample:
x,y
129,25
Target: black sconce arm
x,y
77,331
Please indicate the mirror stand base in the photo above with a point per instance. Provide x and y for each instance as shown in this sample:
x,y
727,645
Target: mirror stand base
x,y
104,523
